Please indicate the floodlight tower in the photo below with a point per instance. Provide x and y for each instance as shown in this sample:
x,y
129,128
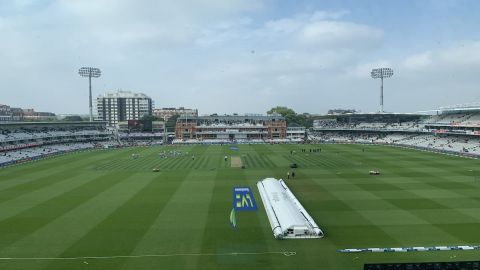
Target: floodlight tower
x,y
165,132
381,73
90,72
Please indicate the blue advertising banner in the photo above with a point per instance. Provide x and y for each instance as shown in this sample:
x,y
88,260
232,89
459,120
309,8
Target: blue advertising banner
x,y
243,199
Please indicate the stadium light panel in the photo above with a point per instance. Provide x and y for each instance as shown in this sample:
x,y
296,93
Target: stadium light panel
x,y
381,73
89,72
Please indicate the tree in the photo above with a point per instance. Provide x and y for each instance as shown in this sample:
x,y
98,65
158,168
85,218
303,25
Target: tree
x,y
148,117
73,118
172,121
284,111
289,114
292,117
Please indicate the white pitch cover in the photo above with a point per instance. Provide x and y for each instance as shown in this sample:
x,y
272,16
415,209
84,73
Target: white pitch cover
x,y
287,217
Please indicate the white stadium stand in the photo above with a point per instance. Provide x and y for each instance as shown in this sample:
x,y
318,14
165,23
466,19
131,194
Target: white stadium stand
x,y
452,130
24,141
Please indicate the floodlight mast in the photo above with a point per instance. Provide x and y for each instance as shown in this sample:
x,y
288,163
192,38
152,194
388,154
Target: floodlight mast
x,y
90,72
381,73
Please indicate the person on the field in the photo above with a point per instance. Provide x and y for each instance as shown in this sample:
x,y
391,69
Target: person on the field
x,y
288,175
293,175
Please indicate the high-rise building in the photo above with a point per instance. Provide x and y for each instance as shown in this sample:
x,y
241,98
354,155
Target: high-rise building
x,y
114,107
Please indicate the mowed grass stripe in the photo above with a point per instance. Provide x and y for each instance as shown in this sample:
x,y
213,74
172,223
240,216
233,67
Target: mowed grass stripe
x,y
354,209
465,231
270,163
261,161
251,161
306,160
120,154
213,161
382,218
192,164
204,163
74,225
116,235
174,162
248,237
353,226
446,185
26,201
199,164
258,162
185,163
14,183
194,193
178,163
24,188
304,255
418,202
296,161
199,152
125,161
266,161
149,163
273,154
34,167
207,161
168,161
26,222
247,159
330,161
23,179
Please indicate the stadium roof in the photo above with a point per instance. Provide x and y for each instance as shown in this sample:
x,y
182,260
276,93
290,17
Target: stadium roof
x,y
63,123
122,94
234,117
465,107
369,114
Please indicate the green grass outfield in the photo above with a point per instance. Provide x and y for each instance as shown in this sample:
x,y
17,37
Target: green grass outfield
x,y
105,203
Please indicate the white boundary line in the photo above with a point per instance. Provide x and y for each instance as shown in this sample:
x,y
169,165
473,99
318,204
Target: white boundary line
x,y
284,253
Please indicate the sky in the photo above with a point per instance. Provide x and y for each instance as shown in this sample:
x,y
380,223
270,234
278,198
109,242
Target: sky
x,y
241,56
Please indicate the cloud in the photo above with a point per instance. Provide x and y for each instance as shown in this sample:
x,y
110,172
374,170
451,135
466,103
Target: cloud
x,y
462,56
333,33
322,30
328,15
218,56
418,61
180,53
425,80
